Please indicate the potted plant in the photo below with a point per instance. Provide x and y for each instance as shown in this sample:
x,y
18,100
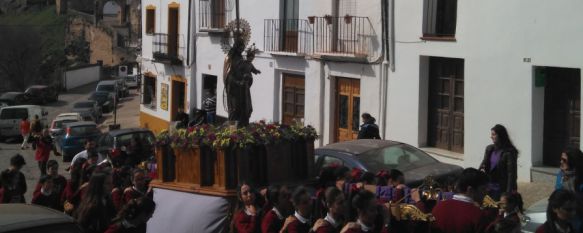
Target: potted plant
x,y
311,19
328,19
347,19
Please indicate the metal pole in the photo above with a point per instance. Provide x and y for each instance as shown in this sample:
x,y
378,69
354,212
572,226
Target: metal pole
x,y
237,16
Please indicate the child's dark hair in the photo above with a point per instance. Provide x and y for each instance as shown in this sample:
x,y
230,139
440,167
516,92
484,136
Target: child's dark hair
x,y
514,201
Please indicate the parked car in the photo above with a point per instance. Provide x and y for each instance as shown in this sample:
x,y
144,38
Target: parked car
x,y
89,110
11,116
26,218
73,141
109,86
376,155
58,124
40,94
105,99
113,142
132,81
13,98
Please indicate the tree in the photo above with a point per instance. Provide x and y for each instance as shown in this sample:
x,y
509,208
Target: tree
x,y
21,55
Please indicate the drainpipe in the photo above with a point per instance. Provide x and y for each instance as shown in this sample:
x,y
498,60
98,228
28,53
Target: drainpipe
x,y
188,34
322,101
384,69
392,34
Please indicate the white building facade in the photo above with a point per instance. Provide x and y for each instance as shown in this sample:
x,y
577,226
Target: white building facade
x,y
166,62
461,67
436,74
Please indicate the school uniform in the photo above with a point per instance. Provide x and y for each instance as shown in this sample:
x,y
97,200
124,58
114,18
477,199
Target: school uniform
x,y
272,221
117,198
458,215
365,229
300,225
332,226
246,222
133,193
50,200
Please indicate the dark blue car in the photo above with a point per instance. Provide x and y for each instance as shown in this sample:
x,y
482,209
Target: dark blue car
x,y
375,155
74,138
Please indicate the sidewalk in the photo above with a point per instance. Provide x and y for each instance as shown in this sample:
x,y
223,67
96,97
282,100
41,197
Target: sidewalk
x,y
128,112
532,192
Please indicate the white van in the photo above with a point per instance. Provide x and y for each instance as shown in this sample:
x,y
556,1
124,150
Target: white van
x,y
11,116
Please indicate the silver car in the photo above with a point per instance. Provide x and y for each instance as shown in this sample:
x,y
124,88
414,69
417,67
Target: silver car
x,y
89,110
131,81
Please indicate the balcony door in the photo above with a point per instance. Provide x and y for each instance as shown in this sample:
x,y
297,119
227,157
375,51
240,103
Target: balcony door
x,y
289,25
293,98
173,30
347,109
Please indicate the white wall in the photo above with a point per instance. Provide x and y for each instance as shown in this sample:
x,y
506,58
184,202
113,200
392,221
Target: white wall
x,y
492,37
164,72
82,76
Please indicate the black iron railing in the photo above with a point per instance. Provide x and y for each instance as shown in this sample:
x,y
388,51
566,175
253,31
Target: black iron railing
x,y
347,36
291,35
167,47
215,14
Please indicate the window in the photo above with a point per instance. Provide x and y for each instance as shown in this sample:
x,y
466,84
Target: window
x,y
14,113
150,20
83,130
214,14
329,161
440,18
402,157
149,92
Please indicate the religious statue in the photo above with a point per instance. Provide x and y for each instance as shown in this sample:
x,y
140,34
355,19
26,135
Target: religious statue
x,y
238,78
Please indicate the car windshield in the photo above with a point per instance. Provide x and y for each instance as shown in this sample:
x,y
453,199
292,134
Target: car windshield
x,y
83,105
108,88
126,139
83,130
60,124
100,96
402,157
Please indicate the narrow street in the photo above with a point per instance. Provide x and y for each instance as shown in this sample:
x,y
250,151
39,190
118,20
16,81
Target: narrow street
x,y
128,110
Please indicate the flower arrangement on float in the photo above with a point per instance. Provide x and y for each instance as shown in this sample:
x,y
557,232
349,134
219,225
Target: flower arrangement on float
x,y
257,133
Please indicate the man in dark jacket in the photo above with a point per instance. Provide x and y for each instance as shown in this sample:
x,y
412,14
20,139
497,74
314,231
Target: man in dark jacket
x,y
368,130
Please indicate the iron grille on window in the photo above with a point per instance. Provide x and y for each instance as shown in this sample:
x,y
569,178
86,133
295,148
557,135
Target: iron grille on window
x,y
215,14
346,36
291,35
168,48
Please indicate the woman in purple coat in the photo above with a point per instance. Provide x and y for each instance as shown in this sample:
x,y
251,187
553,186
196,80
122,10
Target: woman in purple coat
x,y
499,163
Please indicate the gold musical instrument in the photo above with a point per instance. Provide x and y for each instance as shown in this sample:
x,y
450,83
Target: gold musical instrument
x,y
488,202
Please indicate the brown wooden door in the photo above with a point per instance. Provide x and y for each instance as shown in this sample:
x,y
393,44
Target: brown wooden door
x,y
173,32
446,103
293,97
347,109
178,97
562,112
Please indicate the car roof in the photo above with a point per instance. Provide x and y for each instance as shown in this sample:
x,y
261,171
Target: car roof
x,y
68,114
23,216
118,132
13,93
66,118
359,146
81,123
38,86
22,106
107,82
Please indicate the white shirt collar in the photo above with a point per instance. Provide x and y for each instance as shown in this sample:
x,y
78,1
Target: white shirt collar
x,y
363,227
464,198
248,213
277,213
300,218
331,220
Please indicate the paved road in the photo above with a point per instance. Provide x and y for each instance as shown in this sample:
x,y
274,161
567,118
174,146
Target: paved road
x,y
128,107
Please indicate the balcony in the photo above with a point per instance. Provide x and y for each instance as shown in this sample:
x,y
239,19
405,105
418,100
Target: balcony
x,y
215,14
288,36
347,36
168,48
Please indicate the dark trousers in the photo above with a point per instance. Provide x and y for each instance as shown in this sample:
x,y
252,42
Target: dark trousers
x,y
42,165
